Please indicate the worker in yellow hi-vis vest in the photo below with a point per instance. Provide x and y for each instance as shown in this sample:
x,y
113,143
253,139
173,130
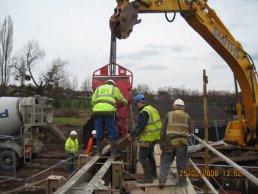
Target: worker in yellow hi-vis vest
x,y
174,142
148,133
71,147
104,112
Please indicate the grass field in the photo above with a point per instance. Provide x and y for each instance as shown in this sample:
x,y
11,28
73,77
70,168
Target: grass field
x,y
76,122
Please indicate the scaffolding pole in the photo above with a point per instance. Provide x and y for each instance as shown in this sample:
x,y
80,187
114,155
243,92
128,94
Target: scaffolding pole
x,y
248,175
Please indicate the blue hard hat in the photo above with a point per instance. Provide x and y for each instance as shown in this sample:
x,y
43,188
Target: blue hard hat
x,y
138,98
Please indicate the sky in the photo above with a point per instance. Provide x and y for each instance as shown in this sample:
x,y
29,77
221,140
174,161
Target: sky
x,y
159,53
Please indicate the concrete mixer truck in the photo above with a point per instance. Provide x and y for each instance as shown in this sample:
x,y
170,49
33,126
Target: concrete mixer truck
x,y
22,124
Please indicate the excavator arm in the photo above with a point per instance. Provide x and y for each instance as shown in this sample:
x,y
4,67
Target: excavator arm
x,y
203,20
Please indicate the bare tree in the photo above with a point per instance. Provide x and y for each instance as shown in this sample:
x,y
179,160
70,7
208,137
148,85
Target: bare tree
x,y
20,70
142,88
28,58
74,83
31,54
55,76
24,62
6,46
86,84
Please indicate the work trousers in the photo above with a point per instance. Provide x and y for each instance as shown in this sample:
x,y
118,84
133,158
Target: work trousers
x,y
70,161
110,123
181,154
147,160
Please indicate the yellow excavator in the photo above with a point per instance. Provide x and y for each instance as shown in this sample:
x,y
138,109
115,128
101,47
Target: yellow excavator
x,y
204,20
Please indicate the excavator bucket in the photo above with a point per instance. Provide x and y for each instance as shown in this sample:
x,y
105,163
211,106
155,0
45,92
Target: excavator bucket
x,y
122,21
123,80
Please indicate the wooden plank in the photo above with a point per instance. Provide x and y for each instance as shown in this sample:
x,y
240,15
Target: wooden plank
x,y
132,188
117,175
96,182
169,188
81,174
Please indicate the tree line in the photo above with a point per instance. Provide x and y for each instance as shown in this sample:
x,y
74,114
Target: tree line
x,y
56,82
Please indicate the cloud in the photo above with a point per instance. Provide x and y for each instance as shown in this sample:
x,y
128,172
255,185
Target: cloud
x,y
155,47
151,67
179,48
139,55
158,46
128,64
131,65
191,58
151,50
217,66
175,48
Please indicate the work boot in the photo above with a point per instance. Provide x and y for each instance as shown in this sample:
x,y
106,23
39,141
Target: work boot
x,y
154,173
161,185
99,147
113,148
147,178
182,182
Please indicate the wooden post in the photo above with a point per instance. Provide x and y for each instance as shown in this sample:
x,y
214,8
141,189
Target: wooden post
x,y
54,182
206,132
83,159
117,175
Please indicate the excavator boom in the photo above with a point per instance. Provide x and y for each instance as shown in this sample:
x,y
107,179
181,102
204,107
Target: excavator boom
x,y
205,21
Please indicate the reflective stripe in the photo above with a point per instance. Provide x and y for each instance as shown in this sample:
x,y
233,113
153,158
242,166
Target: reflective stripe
x,y
106,101
104,98
151,131
178,133
151,116
175,128
179,125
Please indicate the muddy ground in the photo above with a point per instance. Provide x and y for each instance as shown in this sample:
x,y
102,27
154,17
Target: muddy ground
x,y
52,154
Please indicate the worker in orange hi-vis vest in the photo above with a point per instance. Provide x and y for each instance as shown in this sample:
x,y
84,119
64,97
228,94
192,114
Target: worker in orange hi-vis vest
x,y
91,143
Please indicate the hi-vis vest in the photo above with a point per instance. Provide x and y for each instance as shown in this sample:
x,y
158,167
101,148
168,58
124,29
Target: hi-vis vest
x,y
151,131
177,127
72,146
104,98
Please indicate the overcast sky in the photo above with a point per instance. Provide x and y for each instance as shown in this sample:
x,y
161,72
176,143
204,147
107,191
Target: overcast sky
x,y
158,53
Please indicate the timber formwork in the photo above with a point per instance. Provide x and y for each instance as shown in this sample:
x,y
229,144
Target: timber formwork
x,y
108,175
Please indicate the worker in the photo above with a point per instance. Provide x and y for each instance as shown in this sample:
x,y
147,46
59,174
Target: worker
x,y
91,143
174,142
104,113
148,133
71,147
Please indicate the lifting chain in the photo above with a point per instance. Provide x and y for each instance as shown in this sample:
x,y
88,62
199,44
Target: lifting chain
x,y
112,59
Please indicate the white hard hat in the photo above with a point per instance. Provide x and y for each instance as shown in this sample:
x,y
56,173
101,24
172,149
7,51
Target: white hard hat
x,y
73,133
110,81
94,132
179,102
